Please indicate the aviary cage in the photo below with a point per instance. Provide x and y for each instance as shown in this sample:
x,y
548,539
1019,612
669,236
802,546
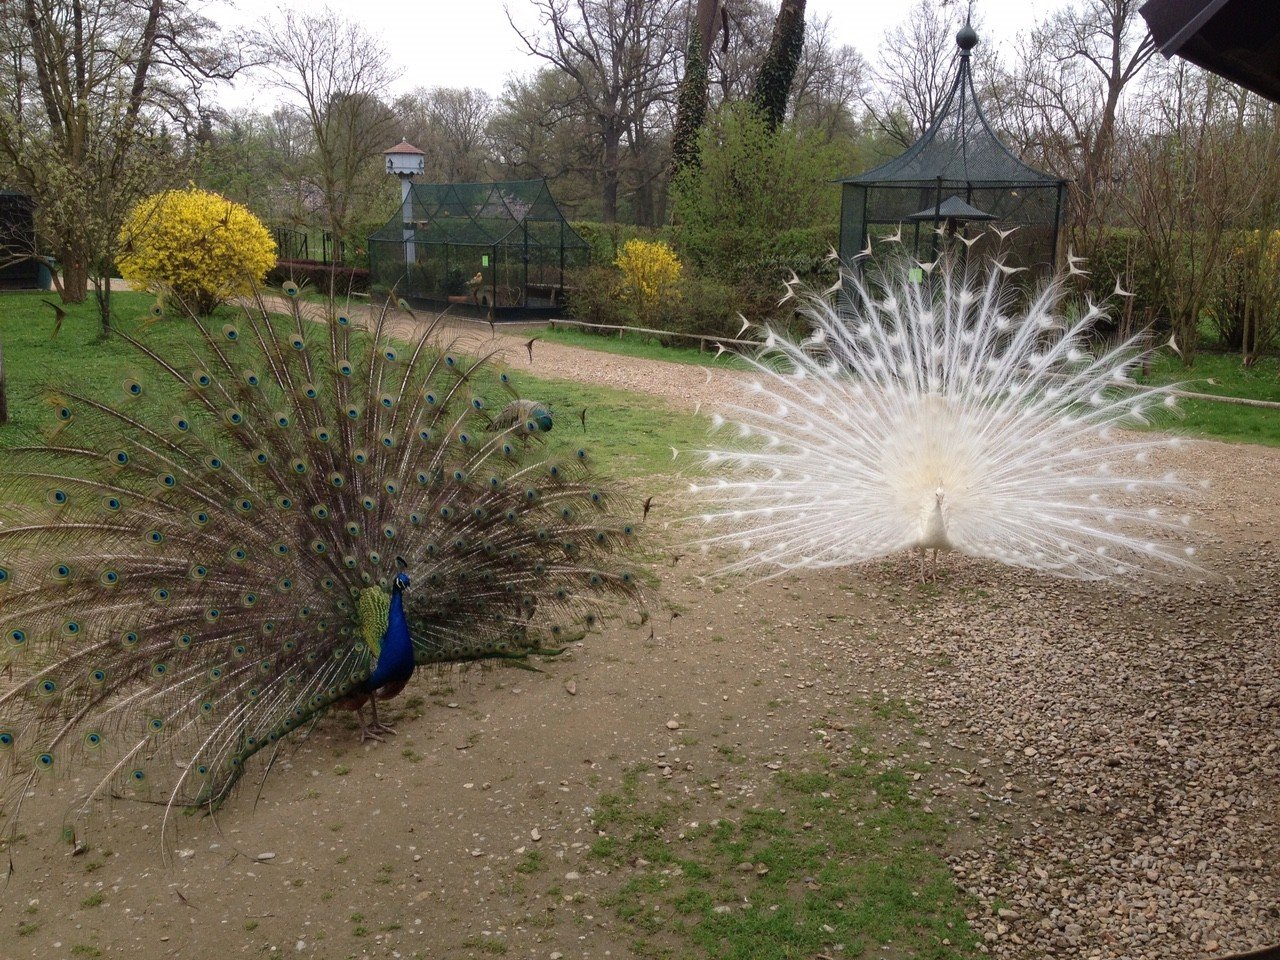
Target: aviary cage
x,y
953,181
499,250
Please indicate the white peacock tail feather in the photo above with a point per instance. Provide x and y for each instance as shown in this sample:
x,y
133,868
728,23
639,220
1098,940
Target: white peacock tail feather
x,y
937,414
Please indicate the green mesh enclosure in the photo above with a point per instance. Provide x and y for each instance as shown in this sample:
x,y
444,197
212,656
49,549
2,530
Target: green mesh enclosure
x,y
18,270
958,166
500,249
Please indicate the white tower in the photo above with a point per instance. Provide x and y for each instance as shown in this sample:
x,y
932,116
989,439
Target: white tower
x,y
406,161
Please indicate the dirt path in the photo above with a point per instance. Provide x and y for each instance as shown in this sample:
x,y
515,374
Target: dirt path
x,y
1110,759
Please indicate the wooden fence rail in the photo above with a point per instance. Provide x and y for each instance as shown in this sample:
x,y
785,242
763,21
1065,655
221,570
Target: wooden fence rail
x,y
705,339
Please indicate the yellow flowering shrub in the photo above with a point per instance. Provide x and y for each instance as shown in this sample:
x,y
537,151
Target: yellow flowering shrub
x,y
650,275
198,245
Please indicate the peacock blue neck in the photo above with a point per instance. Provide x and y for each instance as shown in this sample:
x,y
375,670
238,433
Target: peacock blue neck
x,y
395,658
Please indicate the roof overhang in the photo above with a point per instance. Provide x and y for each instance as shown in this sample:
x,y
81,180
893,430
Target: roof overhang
x,y
1237,39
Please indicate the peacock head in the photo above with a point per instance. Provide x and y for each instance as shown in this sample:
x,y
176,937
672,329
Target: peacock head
x,y
401,582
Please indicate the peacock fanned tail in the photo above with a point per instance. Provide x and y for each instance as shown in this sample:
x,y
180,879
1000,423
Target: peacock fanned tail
x,y
946,410
182,564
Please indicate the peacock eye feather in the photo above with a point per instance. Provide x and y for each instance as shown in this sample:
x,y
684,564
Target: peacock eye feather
x,y
57,497
133,388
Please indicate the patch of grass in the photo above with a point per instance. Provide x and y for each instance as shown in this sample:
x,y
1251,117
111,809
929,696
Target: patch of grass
x,y
626,432
1222,421
93,900
485,944
35,360
840,859
85,950
531,862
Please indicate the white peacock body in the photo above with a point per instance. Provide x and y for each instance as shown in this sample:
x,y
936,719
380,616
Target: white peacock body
x,y
935,414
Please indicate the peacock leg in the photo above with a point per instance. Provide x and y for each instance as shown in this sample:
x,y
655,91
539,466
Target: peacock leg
x,y
369,731
922,576
377,726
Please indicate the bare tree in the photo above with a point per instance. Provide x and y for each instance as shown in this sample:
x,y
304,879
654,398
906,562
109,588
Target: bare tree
x,y
621,56
86,89
1189,187
1065,97
450,124
338,71
830,81
915,70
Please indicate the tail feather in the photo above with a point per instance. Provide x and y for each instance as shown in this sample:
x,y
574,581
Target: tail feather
x,y
944,385
179,575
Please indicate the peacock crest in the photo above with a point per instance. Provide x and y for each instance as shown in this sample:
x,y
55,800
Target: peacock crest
x,y
945,412
199,566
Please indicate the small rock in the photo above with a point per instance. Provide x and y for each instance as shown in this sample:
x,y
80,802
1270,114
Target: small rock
x,y
266,856
673,724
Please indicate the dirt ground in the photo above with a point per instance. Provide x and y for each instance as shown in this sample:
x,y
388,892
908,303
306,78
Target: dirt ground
x,y
1111,759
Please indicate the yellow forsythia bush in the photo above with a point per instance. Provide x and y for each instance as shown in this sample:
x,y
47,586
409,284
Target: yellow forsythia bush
x,y
650,274
200,246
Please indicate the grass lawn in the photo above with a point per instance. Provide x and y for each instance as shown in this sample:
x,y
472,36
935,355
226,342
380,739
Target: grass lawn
x,y
1223,375
626,433
834,861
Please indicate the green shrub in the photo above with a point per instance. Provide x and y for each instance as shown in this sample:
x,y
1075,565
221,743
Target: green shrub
x,y
592,296
759,204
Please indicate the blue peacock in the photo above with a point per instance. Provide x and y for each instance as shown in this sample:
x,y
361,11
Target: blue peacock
x,y
289,517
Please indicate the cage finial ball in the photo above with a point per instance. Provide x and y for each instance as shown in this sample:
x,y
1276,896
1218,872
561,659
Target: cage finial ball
x,y
967,37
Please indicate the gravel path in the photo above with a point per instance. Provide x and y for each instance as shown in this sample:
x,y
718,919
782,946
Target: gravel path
x,y
1146,725
1118,751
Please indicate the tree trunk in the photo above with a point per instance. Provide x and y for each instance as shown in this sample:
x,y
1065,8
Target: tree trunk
x,y
691,109
609,183
102,293
75,276
773,84
691,104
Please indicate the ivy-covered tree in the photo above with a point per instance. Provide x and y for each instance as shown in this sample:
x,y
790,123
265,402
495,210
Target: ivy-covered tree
x,y
773,83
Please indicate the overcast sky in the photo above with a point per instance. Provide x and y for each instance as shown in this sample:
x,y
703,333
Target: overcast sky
x,y
468,43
